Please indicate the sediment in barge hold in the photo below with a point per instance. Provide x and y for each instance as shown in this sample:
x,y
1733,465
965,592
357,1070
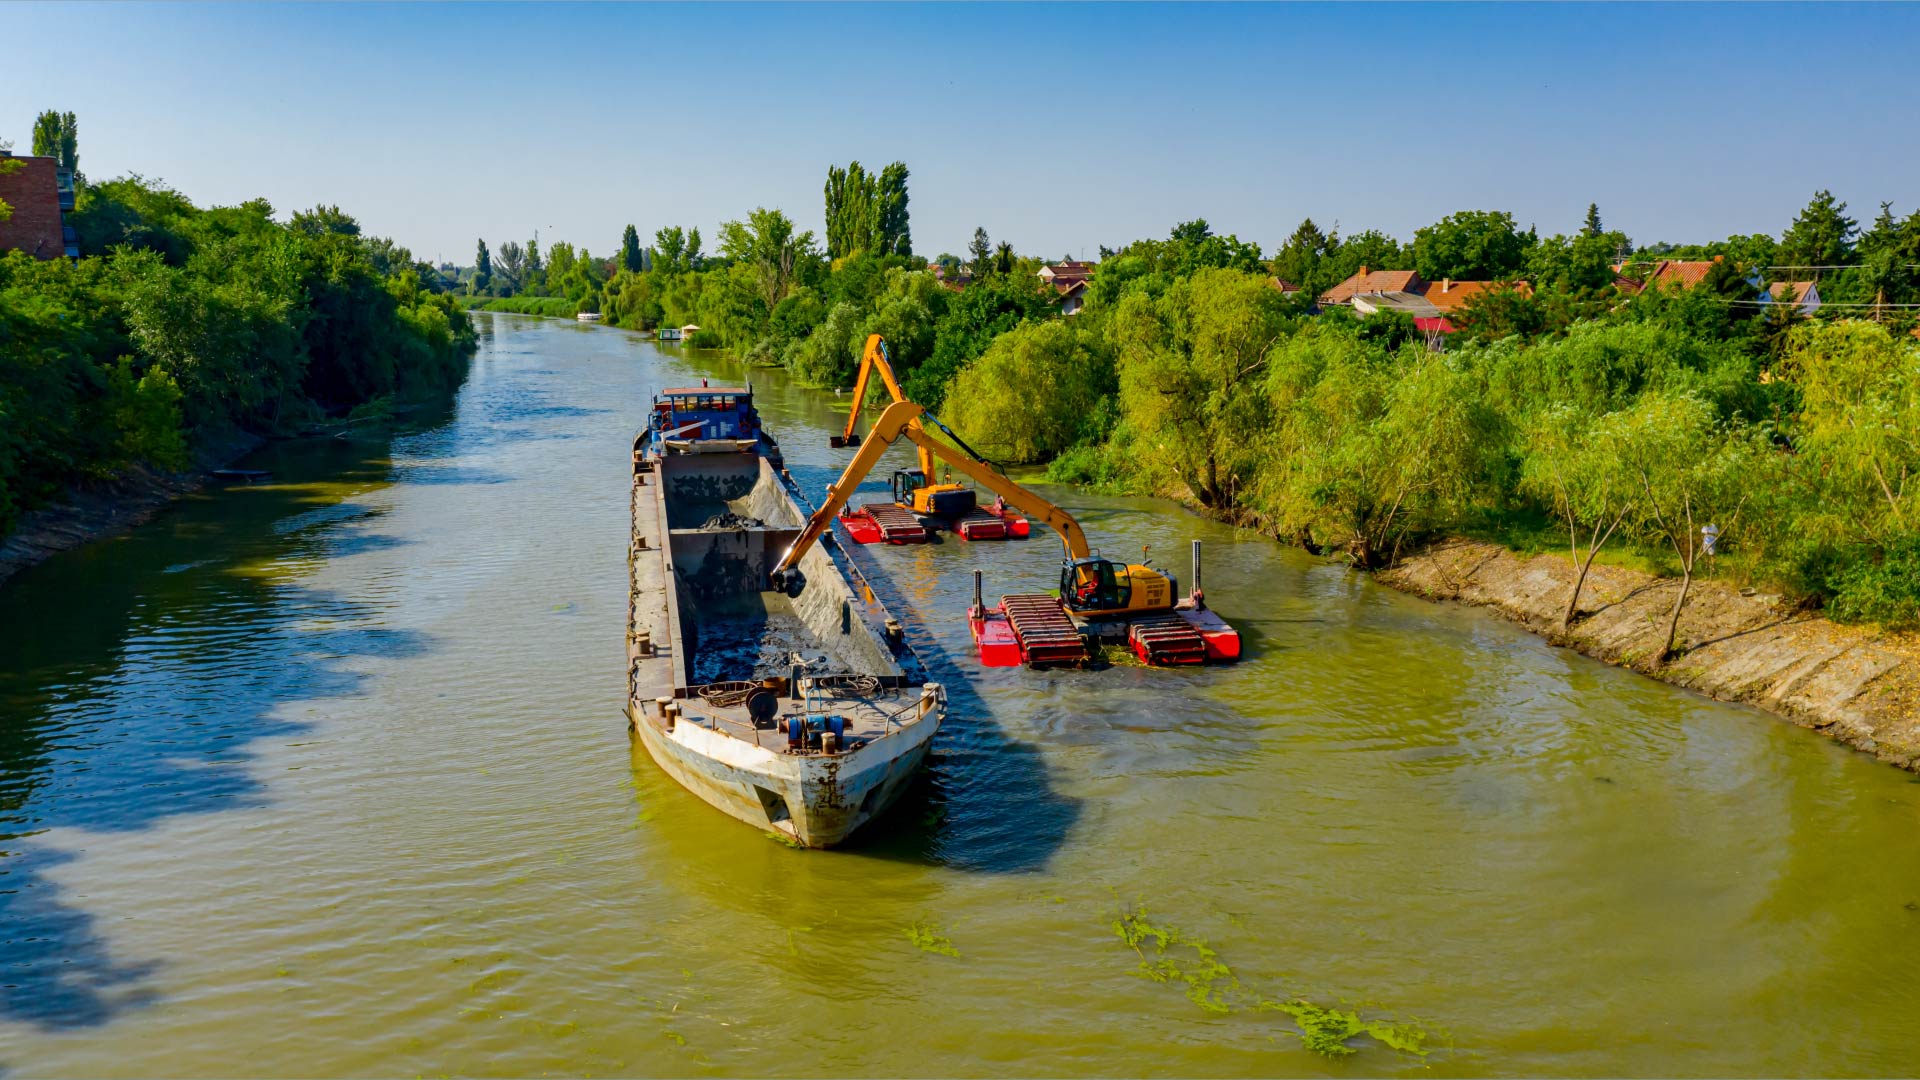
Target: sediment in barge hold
x,y
798,713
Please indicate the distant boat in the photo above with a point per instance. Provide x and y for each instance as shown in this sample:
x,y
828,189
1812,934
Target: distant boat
x,y
588,316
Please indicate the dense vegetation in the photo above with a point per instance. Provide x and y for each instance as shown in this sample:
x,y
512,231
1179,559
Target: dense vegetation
x,y
1595,410
1630,419
181,325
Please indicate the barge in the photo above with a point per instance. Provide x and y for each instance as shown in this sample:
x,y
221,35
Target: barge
x,y
799,710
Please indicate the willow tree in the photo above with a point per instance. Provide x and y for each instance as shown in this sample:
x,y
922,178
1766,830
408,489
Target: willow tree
x,y
1690,472
1370,448
1034,393
1188,362
1566,467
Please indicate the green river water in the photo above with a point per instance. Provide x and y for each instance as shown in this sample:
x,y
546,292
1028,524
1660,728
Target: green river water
x,y
328,776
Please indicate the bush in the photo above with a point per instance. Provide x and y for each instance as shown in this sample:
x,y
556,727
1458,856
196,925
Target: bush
x,y
1878,586
1033,394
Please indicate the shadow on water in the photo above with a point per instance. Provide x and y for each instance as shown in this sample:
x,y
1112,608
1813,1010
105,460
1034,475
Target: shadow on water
x,y
985,802
138,673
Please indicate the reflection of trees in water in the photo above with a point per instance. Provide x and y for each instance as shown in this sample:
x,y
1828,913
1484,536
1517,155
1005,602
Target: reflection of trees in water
x,y
131,694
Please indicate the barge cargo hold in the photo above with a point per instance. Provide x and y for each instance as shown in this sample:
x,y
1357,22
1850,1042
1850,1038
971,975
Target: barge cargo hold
x,y
804,715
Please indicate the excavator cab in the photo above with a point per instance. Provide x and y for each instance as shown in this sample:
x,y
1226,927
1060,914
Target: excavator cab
x,y
1095,586
911,491
1091,585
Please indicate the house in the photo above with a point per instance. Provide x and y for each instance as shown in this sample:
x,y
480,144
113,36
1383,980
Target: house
x,y
1806,294
1066,272
1069,279
1073,296
1365,280
1365,304
1675,274
1283,286
41,194
1450,296
957,281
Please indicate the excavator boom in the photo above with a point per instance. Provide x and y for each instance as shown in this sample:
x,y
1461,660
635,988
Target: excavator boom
x,y
902,418
875,358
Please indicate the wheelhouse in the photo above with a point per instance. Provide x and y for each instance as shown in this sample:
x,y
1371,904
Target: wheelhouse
x,y
704,412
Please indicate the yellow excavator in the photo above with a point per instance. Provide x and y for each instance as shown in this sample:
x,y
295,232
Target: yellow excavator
x,y
913,489
1090,586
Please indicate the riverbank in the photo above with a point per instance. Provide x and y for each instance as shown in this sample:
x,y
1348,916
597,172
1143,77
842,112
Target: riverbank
x,y
1853,684
96,512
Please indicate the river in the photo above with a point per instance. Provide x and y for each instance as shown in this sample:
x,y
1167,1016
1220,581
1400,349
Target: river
x,y
328,776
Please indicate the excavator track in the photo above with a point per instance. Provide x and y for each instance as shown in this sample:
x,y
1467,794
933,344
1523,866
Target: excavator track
x,y
896,526
981,525
1045,633
1166,639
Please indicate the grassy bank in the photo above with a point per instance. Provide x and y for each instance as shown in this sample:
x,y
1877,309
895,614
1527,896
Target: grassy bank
x,y
558,307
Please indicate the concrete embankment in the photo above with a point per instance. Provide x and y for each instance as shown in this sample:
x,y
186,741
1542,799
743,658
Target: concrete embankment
x,y
1853,684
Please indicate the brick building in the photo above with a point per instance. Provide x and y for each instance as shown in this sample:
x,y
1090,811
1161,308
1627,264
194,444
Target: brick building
x,y
40,193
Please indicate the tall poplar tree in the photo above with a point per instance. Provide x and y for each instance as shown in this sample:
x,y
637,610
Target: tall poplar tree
x,y
630,256
482,278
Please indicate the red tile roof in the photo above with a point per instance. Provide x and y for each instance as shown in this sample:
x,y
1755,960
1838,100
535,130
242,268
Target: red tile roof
x,y
1778,289
1450,296
1674,273
1373,281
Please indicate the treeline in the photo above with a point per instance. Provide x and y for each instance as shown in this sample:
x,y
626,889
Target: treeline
x,y
1665,420
178,325
1701,427
774,296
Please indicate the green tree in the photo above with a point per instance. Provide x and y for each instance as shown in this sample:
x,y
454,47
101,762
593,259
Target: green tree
x,y
325,220
630,258
892,233
1578,475
1035,391
482,278
1690,471
981,250
57,135
974,318
1369,448
1472,245
1003,258
1187,361
1299,259
670,250
827,357
1859,431
1592,226
767,243
1821,235
511,268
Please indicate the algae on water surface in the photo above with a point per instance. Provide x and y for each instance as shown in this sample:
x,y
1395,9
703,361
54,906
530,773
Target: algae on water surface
x,y
1169,955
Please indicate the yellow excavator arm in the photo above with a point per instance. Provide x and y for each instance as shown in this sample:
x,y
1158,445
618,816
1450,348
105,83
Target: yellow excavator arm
x,y
876,359
903,418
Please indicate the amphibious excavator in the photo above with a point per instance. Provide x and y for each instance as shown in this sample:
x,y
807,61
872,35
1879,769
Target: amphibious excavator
x,y
1100,601
918,500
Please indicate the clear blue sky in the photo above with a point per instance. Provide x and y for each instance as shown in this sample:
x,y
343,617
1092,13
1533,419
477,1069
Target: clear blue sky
x,y
1058,128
